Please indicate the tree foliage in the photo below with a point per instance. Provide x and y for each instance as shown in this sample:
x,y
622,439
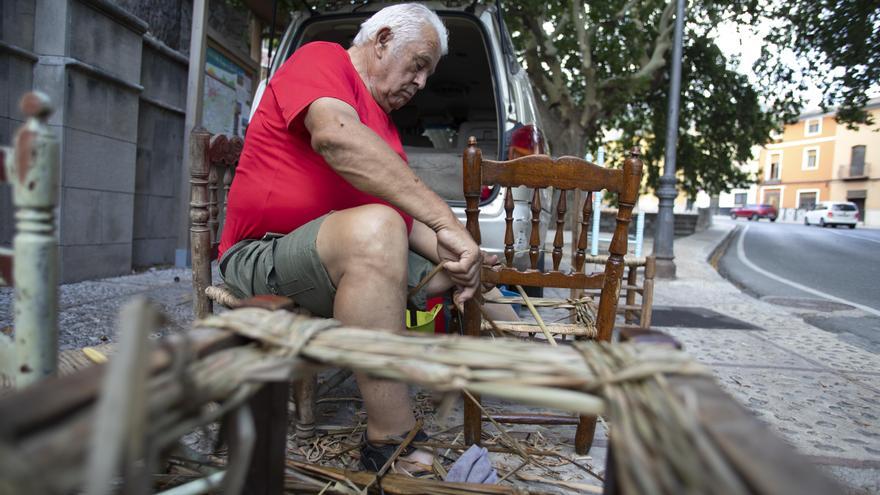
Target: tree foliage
x,y
609,70
840,42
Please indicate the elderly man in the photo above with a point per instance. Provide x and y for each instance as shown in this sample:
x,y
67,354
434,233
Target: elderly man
x,y
325,209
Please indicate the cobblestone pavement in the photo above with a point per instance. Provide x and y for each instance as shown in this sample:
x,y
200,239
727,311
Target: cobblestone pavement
x,y
816,390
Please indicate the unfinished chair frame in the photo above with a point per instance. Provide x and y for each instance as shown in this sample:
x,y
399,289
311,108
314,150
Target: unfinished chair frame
x,y
213,160
564,174
637,291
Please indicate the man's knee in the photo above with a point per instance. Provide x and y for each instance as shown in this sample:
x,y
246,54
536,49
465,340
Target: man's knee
x,y
371,237
378,227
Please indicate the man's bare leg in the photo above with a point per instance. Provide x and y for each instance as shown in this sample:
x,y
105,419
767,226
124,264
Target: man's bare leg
x,y
365,250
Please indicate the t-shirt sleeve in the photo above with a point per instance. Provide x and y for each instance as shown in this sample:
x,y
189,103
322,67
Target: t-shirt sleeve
x,y
316,70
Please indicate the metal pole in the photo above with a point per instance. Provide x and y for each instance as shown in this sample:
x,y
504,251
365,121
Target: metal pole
x,y
597,209
665,230
194,91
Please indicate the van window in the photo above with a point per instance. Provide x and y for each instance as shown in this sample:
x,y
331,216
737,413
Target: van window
x,y
844,207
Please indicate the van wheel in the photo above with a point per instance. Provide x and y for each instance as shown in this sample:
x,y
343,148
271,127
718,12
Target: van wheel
x,y
822,223
806,221
852,225
754,217
772,219
733,216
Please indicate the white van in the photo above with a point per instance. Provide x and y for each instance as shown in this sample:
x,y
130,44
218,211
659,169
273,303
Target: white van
x,y
478,89
833,213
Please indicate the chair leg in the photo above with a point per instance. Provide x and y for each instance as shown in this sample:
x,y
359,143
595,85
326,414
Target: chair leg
x,y
473,418
583,437
265,474
304,397
648,292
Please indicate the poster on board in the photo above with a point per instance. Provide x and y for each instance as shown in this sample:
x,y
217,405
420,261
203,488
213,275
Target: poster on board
x,y
227,98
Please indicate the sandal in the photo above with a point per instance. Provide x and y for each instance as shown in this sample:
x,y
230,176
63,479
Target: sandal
x,y
373,456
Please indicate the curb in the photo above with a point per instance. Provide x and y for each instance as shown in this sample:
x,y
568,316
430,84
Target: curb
x,y
722,246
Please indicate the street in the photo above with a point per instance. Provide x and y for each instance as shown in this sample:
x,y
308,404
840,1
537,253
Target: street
x,y
830,273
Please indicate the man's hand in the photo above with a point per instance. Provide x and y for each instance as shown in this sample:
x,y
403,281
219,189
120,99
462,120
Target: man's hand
x,y
462,260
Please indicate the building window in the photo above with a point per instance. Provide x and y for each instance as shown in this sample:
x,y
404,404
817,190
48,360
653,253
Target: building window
x,y
813,127
857,161
811,159
775,169
739,199
807,199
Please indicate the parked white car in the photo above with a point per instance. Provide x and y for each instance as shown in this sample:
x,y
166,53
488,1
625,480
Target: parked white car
x,y
833,213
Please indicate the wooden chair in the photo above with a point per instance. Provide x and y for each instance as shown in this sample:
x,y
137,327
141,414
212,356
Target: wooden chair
x,y
213,159
564,174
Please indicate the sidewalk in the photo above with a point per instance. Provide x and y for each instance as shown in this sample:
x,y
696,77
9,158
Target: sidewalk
x,y
816,391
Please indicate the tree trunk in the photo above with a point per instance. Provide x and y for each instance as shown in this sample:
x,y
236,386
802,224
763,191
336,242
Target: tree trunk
x,y
565,137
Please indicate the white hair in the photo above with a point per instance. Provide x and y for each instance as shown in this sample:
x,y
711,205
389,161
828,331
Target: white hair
x,y
406,21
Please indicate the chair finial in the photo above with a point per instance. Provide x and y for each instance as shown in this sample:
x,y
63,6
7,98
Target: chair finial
x,y
472,141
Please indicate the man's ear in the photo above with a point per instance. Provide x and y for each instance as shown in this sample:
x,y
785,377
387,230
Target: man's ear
x,y
383,41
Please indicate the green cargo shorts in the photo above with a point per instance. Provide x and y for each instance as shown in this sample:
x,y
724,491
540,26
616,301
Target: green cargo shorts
x,y
289,265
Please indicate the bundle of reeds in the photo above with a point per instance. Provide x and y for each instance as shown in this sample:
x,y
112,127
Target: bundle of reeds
x,y
659,433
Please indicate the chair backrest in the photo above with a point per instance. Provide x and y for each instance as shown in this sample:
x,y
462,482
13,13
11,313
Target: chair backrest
x,y
563,174
213,159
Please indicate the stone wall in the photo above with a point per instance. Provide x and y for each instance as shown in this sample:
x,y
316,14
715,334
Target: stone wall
x,y
17,60
116,72
685,223
159,151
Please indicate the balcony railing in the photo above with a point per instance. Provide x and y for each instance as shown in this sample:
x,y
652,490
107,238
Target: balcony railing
x,y
850,172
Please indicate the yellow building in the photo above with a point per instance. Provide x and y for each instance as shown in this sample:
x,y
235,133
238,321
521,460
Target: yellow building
x,y
815,159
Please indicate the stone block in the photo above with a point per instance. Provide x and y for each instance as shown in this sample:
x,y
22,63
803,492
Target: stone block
x,y
163,78
17,23
151,252
80,216
162,218
117,210
97,162
155,217
94,261
16,79
141,214
159,150
105,43
50,34
98,106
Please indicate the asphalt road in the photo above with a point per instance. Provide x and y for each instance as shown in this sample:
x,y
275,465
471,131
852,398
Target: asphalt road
x,y
831,273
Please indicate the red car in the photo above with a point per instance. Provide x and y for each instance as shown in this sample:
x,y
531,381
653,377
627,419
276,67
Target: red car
x,y
754,212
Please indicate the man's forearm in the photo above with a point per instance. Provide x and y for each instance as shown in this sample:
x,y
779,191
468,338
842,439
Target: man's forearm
x,y
361,157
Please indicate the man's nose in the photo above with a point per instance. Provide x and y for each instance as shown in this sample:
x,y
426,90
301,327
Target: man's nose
x,y
421,80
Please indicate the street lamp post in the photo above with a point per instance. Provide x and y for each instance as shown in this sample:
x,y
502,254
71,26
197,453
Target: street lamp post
x,y
663,235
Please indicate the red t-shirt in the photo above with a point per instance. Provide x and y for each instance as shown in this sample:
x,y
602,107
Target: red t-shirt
x,y
281,183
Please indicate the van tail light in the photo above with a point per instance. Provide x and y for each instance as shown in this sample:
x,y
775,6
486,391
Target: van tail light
x,y
857,216
526,140
485,192
830,214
